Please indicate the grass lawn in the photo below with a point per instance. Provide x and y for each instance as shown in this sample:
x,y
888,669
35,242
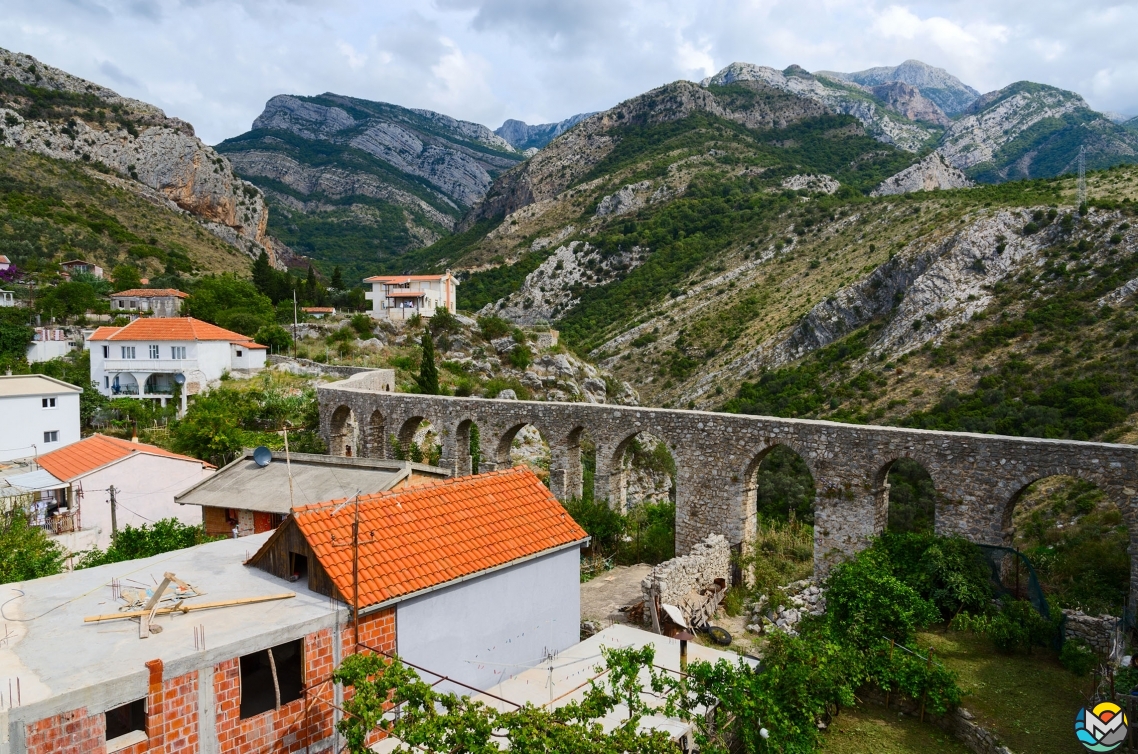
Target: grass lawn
x,y
870,728
1030,701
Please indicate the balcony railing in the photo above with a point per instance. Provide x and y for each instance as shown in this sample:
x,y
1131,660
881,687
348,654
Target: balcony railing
x,y
170,366
124,389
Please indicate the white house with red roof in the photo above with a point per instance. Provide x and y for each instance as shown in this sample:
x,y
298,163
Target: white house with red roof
x,y
401,297
145,358
37,414
70,495
157,302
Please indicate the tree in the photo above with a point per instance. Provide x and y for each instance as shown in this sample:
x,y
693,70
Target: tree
x,y
263,274
69,299
337,278
231,303
428,379
25,551
310,288
275,337
149,539
126,277
15,334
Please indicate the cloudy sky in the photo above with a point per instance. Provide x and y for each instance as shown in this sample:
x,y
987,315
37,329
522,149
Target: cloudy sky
x,y
215,62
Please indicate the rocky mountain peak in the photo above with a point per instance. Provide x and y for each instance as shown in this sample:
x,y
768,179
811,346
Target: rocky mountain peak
x,y
908,101
523,136
948,92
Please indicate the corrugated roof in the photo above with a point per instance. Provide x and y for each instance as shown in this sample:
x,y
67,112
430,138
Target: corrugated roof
x,y
426,536
97,451
33,481
172,328
14,385
244,485
151,292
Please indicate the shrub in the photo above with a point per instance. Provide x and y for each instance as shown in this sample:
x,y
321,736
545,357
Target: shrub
x,y
493,327
950,572
275,337
362,324
865,602
603,524
520,357
1077,657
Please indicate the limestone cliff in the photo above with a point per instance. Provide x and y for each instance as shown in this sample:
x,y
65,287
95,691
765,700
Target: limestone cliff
x,y
134,139
930,174
949,93
523,136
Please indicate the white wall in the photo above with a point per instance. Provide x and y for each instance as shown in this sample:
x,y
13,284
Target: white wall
x,y
145,486
46,350
490,628
23,420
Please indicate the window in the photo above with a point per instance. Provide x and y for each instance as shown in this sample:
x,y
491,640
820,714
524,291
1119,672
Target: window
x,y
239,353
126,725
177,352
106,352
128,352
285,664
106,381
154,352
48,402
52,436
298,566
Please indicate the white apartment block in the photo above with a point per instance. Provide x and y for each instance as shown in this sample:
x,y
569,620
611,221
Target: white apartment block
x,y
145,358
38,414
401,297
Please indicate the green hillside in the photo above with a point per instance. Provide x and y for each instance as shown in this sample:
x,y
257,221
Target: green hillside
x,y
55,211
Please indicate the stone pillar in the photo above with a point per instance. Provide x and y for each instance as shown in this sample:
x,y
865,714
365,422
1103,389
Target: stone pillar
x,y
559,472
845,513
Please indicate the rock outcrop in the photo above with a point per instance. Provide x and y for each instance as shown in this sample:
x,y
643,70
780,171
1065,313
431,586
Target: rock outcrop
x,y
908,101
822,184
523,136
135,140
930,174
949,93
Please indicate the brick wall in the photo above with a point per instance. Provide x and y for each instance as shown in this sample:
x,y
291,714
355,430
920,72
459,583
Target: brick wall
x,y
73,732
376,630
296,725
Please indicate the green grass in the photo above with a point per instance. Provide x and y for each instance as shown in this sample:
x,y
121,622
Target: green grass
x,y
870,728
1029,701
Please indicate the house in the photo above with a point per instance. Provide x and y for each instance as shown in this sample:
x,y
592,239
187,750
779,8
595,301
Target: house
x,y
5,263
78,265
38,413
158,302
49,343
147,357
318,312
482,567
478,572
71,493
249,498
403,296
7,298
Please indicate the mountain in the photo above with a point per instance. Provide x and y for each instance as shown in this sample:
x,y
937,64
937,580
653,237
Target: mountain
x,y
1131,124
1029,130
523,136
358,183
939,86
52,113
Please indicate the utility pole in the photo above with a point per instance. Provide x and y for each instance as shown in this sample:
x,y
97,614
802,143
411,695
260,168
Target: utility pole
x,y
356,572
114,515
293,322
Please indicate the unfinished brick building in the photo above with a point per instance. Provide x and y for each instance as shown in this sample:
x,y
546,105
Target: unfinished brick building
x,y
256,676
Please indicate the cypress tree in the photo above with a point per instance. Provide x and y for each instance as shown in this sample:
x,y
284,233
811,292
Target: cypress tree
x,y
263,274
310,286
337,278
428,379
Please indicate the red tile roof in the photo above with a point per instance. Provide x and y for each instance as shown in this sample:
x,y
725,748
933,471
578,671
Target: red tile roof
x,y
144,292
172,328
103,333
97,451
414,539
404,278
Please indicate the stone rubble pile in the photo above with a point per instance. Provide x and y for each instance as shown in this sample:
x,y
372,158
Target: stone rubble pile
x,y
803,597
679,581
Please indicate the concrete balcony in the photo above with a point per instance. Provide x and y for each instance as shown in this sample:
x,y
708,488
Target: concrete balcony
x,y
150,366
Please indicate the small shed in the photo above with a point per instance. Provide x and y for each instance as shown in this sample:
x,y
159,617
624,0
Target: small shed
x,y
250,498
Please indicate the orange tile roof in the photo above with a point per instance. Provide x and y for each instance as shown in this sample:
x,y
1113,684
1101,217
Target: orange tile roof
x,y
318,309
96,451
403,278
103,333
142,292
174,328
422,537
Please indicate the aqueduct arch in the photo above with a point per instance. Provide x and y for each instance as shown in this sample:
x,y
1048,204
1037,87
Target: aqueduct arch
x,y
975,475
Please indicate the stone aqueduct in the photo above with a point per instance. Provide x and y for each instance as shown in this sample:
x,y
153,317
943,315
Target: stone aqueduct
x,y
978,477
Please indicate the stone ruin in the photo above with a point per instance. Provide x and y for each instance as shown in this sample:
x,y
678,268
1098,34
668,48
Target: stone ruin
x,y
1102,633
695,583
803,597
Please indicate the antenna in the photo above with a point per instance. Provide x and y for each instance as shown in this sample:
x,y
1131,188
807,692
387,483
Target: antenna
x,y
262,456
1082,190
179,379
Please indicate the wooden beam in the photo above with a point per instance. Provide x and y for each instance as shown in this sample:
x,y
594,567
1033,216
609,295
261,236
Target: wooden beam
x,y
184,608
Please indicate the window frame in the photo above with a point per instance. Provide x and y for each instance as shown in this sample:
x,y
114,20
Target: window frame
x,y
155,351
50,436
48,403
139,714
128,350
258,665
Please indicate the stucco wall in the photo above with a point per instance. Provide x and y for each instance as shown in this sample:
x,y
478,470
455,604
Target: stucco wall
x,y
23,420
486,629
145,487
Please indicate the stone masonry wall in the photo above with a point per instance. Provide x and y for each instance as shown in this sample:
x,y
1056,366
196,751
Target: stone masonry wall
x,y
1099,632
978,477
674,579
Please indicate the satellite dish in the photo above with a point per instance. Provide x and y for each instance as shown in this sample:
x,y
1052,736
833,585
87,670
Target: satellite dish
x,y
180,378
262,456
